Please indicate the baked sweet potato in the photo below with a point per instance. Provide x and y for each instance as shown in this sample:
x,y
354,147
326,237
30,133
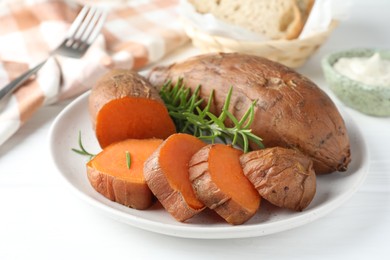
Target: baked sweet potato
x,y
291,110
117,172
166,173
219,182
123,105
284,177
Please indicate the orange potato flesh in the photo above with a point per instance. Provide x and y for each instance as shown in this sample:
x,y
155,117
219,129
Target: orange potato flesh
x,y
113,159
226,172
132,118
174,159
109,174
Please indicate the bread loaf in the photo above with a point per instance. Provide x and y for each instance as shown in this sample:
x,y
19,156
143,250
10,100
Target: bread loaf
x,y
276,19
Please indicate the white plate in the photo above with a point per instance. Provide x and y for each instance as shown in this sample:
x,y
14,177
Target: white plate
x,y
332,189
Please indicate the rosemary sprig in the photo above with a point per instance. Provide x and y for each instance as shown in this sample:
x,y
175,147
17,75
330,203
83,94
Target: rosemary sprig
x,y
190,118
82,150
178,102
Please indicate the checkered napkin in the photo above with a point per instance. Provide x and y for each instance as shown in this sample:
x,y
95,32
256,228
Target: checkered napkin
x,y
135,34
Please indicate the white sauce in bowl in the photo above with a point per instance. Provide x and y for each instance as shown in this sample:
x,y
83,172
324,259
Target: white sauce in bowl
x,y
374,70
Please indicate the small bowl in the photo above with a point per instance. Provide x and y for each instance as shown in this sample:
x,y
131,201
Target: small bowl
x,y
368,99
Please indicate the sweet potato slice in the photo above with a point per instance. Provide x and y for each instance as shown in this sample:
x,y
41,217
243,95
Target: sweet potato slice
x,y
219,182
166,173
284,177
123,105
109,172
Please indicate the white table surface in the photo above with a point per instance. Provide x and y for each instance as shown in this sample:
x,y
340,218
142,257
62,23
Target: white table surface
x,y
41,218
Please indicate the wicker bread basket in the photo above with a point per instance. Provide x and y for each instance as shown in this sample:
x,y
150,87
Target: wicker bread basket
x,y
292,53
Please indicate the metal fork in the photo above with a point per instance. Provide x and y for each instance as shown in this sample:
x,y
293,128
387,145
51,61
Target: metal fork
x,y
81,34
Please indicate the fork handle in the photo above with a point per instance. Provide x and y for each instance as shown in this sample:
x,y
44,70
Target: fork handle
x,y
18,82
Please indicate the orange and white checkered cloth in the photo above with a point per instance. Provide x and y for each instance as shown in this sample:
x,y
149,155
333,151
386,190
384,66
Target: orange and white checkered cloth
x,y
136,33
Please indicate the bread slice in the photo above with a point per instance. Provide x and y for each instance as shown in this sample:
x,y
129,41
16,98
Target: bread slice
x,y
276,19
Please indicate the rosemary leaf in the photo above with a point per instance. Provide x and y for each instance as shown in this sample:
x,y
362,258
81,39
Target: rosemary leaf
x,y
207,108
226,105
257,140
78,151
216,120
245,139
246,115
251,111
234,141
128,160
233,118
82,150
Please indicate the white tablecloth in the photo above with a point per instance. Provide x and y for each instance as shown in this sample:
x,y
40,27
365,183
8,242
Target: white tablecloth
x,y
40,218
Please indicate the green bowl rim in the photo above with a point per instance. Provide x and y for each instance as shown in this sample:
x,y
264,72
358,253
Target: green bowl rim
x,y
327,64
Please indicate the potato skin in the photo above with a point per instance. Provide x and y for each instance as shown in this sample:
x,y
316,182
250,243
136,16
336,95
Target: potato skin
x,y
119,83
209,193
284,177
291,110
134,195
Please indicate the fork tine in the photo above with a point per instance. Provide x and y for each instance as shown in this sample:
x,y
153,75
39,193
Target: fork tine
x,y
88,29
76,23
97,28
96,20
83,31
87,22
